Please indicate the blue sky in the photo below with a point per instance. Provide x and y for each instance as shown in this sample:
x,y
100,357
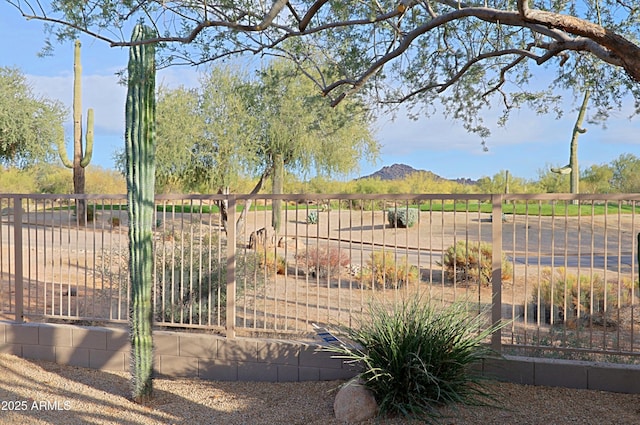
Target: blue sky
x,y
528,144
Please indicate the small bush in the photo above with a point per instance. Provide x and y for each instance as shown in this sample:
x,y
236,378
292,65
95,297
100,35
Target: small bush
x,y
90,213
585,294
312,217
465,262
270,262
322,261
402,217
383,271
416,357
192,286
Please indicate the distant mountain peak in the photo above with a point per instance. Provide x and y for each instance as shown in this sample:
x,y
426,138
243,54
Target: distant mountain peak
x,y
398,172
401,171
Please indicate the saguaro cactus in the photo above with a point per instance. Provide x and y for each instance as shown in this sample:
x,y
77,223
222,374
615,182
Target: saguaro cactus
x,y
81,159
140,161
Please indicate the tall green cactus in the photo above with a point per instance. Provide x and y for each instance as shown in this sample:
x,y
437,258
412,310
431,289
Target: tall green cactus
x,y
80,159
140,161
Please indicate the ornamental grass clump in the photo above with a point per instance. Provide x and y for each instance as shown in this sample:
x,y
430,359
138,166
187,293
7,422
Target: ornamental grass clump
x,y
416,357
575,295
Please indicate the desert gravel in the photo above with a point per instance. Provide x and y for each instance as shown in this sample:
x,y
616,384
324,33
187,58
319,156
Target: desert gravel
x,y
38,392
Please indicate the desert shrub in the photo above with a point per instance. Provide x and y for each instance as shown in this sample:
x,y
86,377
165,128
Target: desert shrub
x,y
382,270
191,284
53,179
583,294
101,180
269,262
416,357
322,261
15,180
402,217
90,212
190,275
312,217
465,262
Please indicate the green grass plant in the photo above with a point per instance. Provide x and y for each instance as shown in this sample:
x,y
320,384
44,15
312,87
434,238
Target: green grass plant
x,y
416,356
582,294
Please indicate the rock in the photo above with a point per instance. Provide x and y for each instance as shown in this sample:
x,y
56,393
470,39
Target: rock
x,y
263,238
354,403
291,242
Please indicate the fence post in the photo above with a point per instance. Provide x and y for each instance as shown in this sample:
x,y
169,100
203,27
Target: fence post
x,y
231,267
17,256
496,274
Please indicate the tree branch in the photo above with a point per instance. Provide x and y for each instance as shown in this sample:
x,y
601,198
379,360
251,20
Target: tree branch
x,y
310,14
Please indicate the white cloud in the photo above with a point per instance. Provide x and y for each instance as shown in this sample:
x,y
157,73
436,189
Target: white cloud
x,y
103,93
100,92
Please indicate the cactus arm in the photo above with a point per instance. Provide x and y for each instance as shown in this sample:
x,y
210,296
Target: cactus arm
x,y
89,140
140,151
62,149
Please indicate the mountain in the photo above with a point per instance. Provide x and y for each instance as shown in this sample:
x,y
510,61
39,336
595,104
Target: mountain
x,y
400,171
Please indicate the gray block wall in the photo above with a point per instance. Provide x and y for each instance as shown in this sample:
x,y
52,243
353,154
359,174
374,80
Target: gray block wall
x,y
177,354
212,357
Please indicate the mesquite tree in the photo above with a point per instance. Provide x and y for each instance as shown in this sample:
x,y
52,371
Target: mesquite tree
x,y
448,56
81,157
29,123
140,157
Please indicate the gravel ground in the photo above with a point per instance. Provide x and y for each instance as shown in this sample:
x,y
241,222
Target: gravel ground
x,y
38,392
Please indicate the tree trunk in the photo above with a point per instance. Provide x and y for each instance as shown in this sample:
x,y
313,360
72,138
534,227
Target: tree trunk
x,y
240,224
224,208
278,177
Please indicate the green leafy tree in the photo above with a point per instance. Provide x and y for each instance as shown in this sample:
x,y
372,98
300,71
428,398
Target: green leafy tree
x,y
626,174
498,184
463,56
596,179
233,125
550,182
204,133
28,123
299,132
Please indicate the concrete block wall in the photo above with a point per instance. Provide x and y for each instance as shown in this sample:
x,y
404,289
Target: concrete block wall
x,y
183,354
564,373
177,354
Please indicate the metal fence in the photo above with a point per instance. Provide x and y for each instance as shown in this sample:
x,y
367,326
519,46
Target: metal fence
x,y
566,282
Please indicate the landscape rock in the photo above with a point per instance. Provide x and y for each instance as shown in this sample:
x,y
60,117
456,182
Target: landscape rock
x,y
354,403
263,238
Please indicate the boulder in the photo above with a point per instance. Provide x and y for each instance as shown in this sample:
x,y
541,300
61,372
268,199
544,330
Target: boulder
x,y
262,238
354,403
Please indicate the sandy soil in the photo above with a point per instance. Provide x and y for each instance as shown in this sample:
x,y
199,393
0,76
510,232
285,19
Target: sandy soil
x,y
39,392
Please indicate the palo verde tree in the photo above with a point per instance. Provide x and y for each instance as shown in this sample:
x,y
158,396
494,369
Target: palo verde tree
x,y
464,55
298,131
204,133
28,122
274,123
81,157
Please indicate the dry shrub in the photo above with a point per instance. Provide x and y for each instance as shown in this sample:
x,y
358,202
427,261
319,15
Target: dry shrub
x,y
322,261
